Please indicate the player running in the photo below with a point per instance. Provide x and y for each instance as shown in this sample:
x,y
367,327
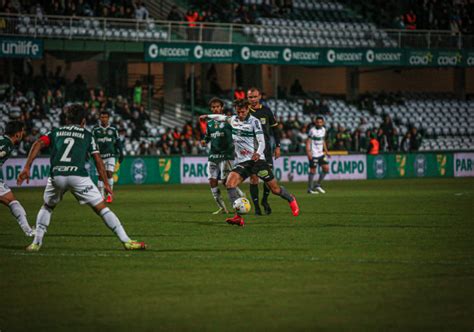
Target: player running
x,y
107,139
270,129
317,152
221,153
70,148
14,133
249,144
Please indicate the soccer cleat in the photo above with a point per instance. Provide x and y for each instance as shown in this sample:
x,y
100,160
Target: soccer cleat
x,y
134,245
236,220
109,199
294,207
321,190
33,247
221,211
31,233
266,207
258,212
312,192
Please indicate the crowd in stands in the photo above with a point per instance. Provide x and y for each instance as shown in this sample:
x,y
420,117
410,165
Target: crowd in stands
x,y
125,9
454,15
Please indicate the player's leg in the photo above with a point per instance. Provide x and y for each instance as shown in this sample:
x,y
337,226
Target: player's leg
x,y
53,194
8,199
233,180
254,194
226,168
311,174
265,173
213,175
87,193
266,189
324,171
110,168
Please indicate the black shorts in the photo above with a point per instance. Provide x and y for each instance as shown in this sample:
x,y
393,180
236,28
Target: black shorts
x,y
269,157
261,168
323,160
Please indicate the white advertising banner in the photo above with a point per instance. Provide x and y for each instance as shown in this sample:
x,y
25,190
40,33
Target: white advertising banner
x,y
463,164
13,166
287,169
296,168
194,170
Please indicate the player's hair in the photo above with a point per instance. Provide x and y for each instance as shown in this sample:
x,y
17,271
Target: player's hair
x,y
216,100
104,112
13,127
75,114
319,117
240,103
254,89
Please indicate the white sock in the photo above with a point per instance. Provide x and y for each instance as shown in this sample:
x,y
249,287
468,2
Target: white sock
x,y
113,223
100,185
240,192
111,182
42,222
20,214
216,193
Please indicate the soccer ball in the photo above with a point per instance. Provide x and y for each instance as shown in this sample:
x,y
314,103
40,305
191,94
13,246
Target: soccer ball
x,y
242,205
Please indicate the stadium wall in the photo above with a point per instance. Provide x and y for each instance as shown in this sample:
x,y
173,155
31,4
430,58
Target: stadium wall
x,y
192,170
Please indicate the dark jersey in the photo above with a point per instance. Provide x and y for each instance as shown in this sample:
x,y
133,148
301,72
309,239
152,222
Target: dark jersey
x,y
107,139
71,147
6,148
269,123
220,136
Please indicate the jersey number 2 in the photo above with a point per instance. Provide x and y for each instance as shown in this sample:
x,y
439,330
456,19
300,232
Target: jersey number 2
x,y
70,142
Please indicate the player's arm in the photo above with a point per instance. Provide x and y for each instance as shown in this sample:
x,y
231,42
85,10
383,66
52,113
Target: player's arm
x,y
206,138
308,148
276,134
325,148
40,143
260,140
217,117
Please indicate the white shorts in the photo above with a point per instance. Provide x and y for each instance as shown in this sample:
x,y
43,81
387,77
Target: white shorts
x,y
109,164
218,170
4,189
81,187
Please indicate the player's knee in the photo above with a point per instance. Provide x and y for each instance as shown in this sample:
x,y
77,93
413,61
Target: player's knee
x,y
49,207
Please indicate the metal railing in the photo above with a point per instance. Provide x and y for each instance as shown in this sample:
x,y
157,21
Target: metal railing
x,y
107,29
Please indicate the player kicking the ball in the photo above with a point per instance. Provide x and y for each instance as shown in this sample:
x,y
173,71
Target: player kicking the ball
x,y
13,135
221,153
317,153
107,139
249,144
70,147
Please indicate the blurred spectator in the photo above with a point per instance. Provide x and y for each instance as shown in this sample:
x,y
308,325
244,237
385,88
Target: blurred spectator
x,y
410,20
239,93
374,146
415,139
296,89
141,12
174,14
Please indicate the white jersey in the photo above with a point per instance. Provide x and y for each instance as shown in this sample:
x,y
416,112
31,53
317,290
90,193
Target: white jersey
x,y
317,137
247,136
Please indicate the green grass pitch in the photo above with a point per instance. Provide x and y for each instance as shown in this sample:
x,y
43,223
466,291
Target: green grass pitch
x,y
368,255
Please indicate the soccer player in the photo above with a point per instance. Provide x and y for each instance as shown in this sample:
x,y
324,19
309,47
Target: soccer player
x,y
317,152
107,139
14,133
70,148
249,145
270,129
221,153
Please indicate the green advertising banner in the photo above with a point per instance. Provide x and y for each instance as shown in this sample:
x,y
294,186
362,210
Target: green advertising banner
x,y
144,170
21,48
387,166
306,56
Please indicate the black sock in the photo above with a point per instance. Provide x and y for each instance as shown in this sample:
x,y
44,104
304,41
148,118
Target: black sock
x,y
285,194
254,195
266,193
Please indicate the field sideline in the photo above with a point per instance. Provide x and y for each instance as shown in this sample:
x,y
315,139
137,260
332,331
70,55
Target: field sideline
x,y
368,255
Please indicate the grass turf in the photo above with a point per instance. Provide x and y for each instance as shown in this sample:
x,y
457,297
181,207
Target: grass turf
x,y
368,255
